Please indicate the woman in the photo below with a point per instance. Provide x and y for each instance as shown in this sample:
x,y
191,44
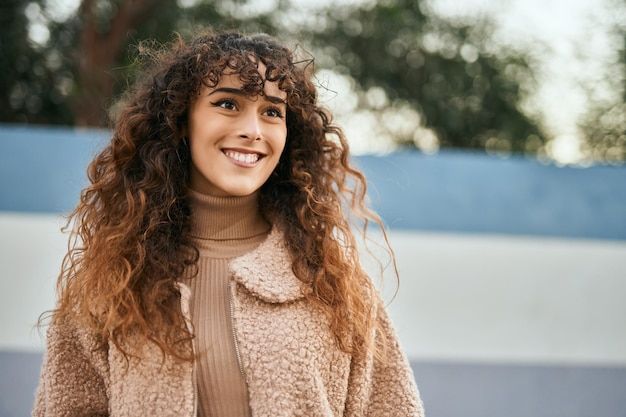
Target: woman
x,y
212,270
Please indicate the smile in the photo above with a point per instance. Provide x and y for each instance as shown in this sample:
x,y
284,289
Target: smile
x,y
246,158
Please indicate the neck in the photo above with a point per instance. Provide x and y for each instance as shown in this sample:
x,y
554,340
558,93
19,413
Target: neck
x,y
226,218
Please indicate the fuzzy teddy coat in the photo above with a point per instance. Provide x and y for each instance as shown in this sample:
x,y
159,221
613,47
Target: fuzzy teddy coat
x,y
287,354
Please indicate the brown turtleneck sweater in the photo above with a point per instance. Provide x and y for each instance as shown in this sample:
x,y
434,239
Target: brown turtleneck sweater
x,y
223,228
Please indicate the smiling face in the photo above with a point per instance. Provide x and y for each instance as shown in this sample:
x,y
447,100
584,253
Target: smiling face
x,y
235,139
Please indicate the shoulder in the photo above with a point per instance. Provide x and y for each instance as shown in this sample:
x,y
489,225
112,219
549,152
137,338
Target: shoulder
x,y
75,371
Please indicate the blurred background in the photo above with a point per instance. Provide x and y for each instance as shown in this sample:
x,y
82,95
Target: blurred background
x,y
493,134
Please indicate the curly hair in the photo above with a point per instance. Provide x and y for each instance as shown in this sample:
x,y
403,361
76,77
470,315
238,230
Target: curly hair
x,y
130,241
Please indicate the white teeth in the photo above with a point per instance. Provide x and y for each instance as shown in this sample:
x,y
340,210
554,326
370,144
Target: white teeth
x,y
248,158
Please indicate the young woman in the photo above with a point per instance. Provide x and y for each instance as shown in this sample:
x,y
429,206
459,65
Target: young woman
x,y
212,270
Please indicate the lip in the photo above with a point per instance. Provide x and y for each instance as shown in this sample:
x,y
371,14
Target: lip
x,y
243,163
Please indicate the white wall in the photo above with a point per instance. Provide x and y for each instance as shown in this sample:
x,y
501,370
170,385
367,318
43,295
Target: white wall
x,y
461,298
32,247
511,299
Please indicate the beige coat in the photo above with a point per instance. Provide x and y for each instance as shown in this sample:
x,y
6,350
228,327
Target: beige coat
x,y
287,355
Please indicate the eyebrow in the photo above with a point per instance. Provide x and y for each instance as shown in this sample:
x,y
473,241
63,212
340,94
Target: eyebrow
x,y
239,92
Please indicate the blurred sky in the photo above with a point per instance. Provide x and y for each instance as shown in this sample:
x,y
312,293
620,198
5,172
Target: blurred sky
x,y
569,38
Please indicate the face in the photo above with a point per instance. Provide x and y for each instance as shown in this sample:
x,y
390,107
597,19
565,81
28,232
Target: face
x,y
235,140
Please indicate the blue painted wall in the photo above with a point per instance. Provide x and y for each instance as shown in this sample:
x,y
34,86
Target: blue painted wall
x,y
43,170
465,192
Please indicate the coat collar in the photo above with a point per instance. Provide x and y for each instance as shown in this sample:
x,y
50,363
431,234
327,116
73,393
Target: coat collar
x,y
266,271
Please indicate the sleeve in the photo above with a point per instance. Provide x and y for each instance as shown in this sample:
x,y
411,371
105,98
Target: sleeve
x,y
73,376
381,388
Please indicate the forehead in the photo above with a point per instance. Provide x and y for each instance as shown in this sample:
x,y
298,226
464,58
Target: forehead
x,y
270,88
249,80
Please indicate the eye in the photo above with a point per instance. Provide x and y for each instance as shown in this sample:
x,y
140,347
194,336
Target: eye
x,y
274,112
226,103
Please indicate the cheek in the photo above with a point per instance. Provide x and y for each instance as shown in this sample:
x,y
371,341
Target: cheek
x,y
279,154
201,154
279,149
193,150
281,140
282,145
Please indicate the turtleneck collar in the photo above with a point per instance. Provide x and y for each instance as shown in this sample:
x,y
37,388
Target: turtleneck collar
x,y
226,218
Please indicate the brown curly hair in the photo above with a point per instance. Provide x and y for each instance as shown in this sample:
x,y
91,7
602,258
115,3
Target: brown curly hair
x,y
130,240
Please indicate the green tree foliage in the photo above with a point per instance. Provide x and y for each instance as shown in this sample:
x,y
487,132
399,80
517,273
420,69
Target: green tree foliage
x,y
74,77
34,82
446,75
604,127
466,93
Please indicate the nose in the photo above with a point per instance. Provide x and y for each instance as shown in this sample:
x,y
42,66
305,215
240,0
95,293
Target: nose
x,y
250,126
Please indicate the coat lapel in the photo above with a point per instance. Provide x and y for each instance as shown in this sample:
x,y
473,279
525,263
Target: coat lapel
x,y
266,271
